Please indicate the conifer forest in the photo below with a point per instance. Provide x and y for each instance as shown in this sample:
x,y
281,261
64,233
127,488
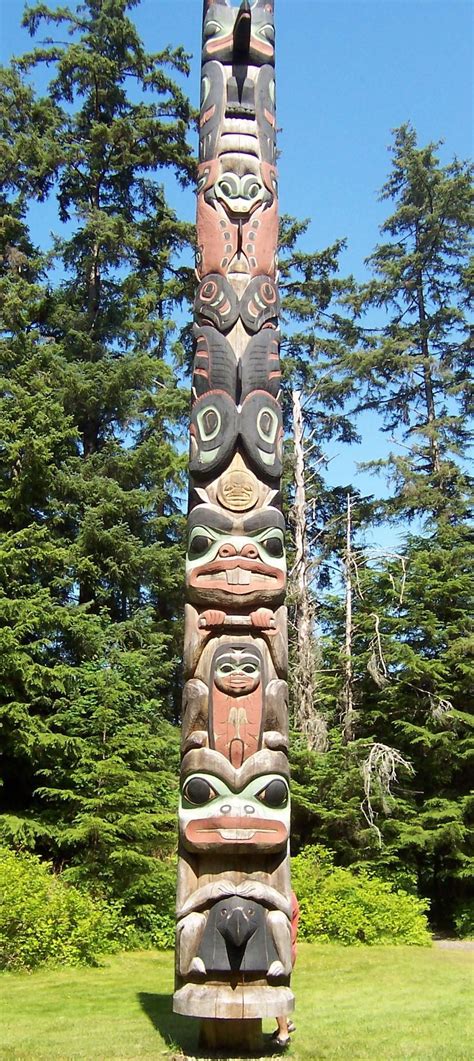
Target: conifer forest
x,y
95,349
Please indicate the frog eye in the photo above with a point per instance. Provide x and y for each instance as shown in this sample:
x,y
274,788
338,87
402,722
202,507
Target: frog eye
x,y
274,547
198,791
275,794
199,545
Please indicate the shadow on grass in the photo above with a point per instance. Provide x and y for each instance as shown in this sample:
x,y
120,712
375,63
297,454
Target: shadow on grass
x,y
181,1034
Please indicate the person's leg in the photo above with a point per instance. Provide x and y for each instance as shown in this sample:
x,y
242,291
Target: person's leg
x,y
281,1035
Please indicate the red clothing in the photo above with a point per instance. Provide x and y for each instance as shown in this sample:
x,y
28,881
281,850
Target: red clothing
x,y
295,916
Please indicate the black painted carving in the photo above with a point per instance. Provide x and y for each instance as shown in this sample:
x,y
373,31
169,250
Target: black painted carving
x,y
236,938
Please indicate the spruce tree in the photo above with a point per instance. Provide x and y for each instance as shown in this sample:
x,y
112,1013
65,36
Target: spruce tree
x,y
99,788
411,670
411,646
415,368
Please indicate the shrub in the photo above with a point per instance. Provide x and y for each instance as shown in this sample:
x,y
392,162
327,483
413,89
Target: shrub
x,y
340,906
464,919
42,919
151,903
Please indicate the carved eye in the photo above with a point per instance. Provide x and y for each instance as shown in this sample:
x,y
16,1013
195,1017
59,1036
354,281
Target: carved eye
x,y
202,181
198,791
249,912
250,188
229,185
226,668
205,86
199,545
267,32
268,293
249,668
274,547
209,290
210,28
209,424
267,424
275,794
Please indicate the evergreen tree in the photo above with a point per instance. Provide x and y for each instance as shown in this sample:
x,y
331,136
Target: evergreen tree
x,y
317,337
415,369
410,651
92,399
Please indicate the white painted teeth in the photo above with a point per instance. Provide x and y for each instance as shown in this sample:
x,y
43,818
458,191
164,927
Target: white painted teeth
x,y
238,576
237,834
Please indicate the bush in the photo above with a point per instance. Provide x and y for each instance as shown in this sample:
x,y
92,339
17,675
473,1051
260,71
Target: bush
x,y
42,919
340,906
464,919
151,902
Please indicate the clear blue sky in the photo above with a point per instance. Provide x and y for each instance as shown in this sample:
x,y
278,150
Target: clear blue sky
x,y
348,71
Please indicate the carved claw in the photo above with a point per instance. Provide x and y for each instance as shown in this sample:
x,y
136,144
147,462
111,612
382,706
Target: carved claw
x,y
198,968
275,971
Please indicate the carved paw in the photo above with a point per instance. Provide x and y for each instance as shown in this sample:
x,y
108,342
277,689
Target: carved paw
x,y
263,619
210,618
198,739
197,967
275,971
275,740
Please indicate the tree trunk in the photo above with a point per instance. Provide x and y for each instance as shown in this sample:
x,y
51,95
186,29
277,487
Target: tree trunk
x,y
348,693
308,720
427,378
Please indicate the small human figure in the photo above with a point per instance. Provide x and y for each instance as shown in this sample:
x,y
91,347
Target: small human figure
x,y
281,1036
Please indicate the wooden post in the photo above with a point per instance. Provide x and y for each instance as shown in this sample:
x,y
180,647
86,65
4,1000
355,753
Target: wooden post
x,y
234,903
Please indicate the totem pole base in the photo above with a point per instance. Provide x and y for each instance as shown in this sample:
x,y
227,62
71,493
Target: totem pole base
x,y
236,1036
243,1004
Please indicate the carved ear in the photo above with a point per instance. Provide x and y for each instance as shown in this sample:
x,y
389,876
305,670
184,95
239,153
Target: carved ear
x,y
211,3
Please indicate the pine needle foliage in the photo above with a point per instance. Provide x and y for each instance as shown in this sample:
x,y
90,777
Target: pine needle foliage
x,y
92,469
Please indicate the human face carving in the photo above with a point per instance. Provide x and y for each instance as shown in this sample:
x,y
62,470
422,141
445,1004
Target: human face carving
x,y
237,672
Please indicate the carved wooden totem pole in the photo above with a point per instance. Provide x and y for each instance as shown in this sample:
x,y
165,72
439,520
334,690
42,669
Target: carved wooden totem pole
x,y
233,959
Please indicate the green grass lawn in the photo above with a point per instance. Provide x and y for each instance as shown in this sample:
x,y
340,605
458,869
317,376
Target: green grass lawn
x,y
361,1002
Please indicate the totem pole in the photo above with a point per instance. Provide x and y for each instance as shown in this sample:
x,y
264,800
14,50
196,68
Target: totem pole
x,y
233,952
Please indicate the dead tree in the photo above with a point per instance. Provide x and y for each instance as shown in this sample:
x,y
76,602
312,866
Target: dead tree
x,y
308,720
